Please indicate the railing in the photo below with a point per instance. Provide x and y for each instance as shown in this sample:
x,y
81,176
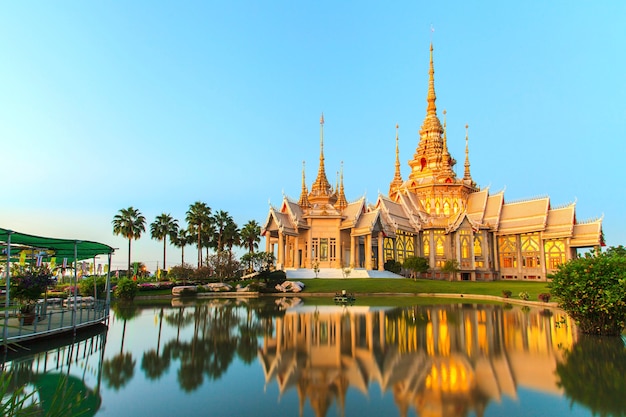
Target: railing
x,y
53,316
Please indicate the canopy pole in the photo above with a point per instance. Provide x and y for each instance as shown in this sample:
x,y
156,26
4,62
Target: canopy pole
x,y
74,313
108,285
5,333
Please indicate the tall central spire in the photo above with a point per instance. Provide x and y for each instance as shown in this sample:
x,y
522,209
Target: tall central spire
x,y
321,187
432,97
428,157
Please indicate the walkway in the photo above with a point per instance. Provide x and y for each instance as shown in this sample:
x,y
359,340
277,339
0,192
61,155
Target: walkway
x,y
53,320
335,273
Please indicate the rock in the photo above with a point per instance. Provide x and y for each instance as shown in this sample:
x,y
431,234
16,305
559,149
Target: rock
x,y
218,287
290,286
184,290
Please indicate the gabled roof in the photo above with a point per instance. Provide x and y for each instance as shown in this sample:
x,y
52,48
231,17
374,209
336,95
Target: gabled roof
x,y
493,209
587,234
524,216
560,222
477,204
277,220
461,218
352,212
367,223
54,247
295,212
394,215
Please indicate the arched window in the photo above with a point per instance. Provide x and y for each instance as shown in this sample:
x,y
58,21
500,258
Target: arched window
x,y
446,207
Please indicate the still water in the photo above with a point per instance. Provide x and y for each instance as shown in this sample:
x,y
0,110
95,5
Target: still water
x,y
291,357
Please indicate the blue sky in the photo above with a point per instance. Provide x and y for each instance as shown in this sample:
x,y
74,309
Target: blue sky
x,y
156,105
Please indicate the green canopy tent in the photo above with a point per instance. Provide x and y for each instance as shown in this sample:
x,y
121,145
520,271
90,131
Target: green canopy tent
x,y
68,250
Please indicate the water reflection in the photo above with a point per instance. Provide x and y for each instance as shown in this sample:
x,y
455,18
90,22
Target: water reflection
x,y
58,373
285,356
438,360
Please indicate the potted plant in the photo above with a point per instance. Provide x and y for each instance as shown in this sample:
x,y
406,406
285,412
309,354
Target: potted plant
x,y
28,285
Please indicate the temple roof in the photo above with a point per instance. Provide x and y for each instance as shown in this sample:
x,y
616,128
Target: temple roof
x,y
560,222
524,216
587,234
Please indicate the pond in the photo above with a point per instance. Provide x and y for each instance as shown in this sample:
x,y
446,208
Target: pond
x,y
291,356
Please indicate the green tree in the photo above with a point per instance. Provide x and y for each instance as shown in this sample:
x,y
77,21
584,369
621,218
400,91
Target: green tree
x,y
251,235
417,265
232,235
182,239
129,223
163,226
592,290
198,218
451,266
221,220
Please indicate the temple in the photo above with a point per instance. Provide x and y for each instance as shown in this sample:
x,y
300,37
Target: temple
x,y
432,214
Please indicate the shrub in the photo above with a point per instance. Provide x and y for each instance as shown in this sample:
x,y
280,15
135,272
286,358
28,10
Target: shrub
x,y
86,287
592,290
393,266
507,293
523,295
545,297
202,274
126,289
181,273
417,265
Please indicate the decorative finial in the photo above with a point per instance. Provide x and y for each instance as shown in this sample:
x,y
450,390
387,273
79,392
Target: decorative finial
x,y
467,175
322,119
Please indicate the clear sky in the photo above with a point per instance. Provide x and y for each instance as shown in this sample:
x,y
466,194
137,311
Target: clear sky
x,y
156,105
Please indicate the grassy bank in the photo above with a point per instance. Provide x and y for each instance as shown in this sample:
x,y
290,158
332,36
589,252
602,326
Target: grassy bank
x,y
383,285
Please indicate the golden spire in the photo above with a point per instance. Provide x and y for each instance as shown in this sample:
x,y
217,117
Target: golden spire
x,y
321,186
342,203
427,160
467,175
397,178
304,200
446,154
432,97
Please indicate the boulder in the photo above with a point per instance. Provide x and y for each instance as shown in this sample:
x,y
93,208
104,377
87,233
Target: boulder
x,y
290,286
218,287
184,290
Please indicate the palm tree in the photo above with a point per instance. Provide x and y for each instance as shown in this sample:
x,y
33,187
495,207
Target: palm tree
x,y
198,218
129,223
251,235
182,239
221,219
163,226
231,236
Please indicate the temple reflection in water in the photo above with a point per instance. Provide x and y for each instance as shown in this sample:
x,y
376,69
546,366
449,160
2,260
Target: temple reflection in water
x,y
446,360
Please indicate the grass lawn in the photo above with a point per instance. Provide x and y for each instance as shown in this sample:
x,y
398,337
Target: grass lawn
x,y
386,285
381,286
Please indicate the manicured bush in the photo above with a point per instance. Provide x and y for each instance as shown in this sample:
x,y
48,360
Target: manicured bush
x,y
545,297
86,287
181,273
523,295
592,290
126,289
417,265
393,266
507,293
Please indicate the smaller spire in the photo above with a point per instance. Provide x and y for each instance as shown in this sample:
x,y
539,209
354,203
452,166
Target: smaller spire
x,y
396,183
467,175
304,199
446,154
342,203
